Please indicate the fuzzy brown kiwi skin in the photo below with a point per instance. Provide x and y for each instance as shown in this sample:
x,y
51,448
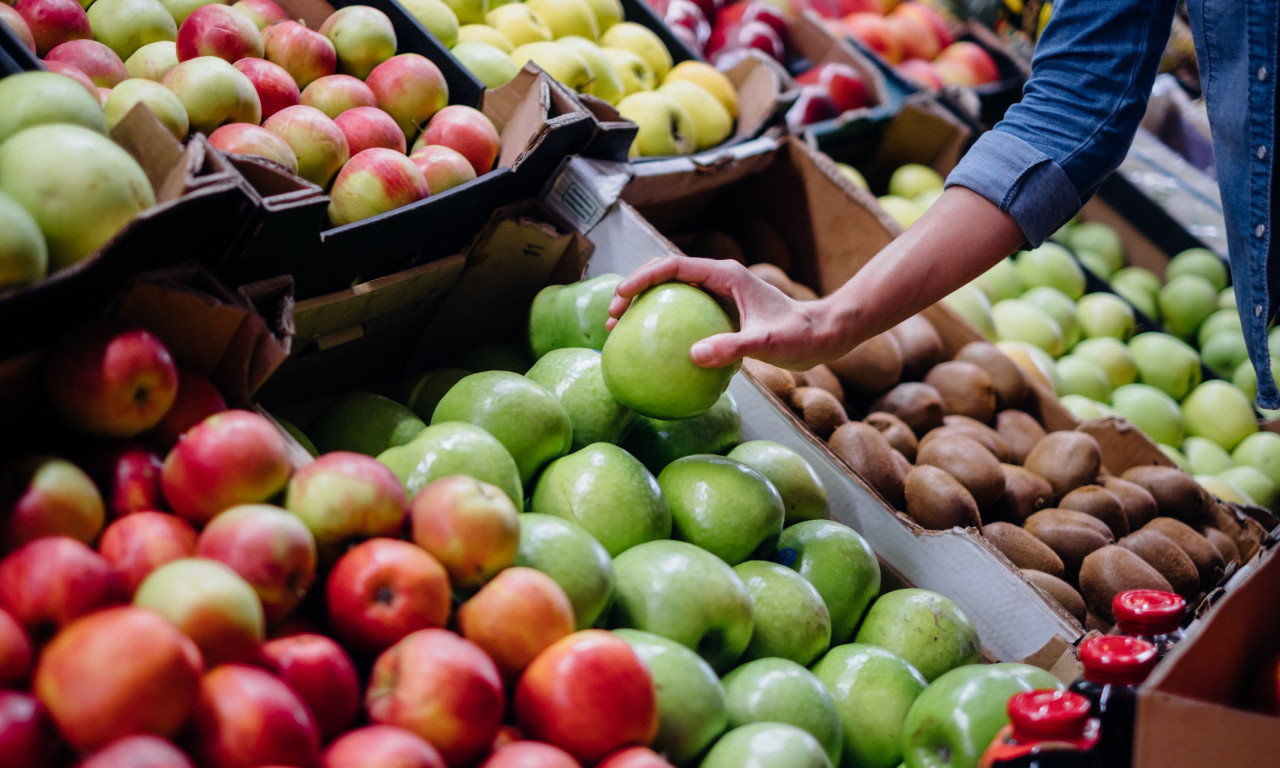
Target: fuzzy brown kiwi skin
x,y
1007,378
920,345
966,389
1208,559
870,368
819,410
1225,545
1110,570
777,380
916,403
1067,459
1023,549
870,456
1177,494
1021,431
970,463
1073,535
965,425
1100,503
1139,504
938,501
1025,493
896,431
1066,595
1165,556
823,377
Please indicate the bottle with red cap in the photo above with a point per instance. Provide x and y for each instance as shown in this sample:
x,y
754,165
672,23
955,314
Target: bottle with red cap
x,y
1151,614
1047,729
1114,667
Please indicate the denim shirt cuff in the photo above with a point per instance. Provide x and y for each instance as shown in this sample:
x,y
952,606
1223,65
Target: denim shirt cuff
x,y
1020,180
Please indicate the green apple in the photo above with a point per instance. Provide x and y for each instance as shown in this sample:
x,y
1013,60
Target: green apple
x,y
522,414
791,620
1099,238
1205,457
972,304
1246,378
1185,302
1261,450
422,392
437,17
901,209
1141,278
1141,301
1051,265
664,127
491,65
24,257
1223,352
606,491
1166,363
766,745
1002,281
454,448
1113,356
1201,262
1034,361
1104,314
467,11
162,102
1019,320
925,200
634,73
924,627
152,60
1222,489
179,9
483,33
1084,408
854,176
518,23
566,17
692,710
839,563
658,442
1095,263
646,356
1256,485
573,375
712,123
642,41
1219,411
1082,376
1059,306
1174,455
605,82
873,689
685,593
608,12
1227,298
804,497
364,422
573,558
774,690
560,61
124,26
722,505
1221,321
572,315
910,179
1151,411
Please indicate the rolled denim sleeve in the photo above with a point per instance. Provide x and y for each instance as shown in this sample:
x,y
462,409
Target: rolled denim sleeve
x,y
1091,76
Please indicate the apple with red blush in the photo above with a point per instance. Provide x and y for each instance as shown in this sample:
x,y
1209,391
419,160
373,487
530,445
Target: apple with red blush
x,y
368,127
874,32
688,15
210,603
730,42
916,37
410,88
47,496
276,87
634,757
922,73
529,754
323,675
53,22
128,474
103,66
218,30
50,582
245,716
843,82
198,398
317,142
470,526
335,94
373,182
442,167
137,544
269,547
345,496
18,26
376,746
16,653
468,131
138,751
812,105
515,616
251,139
971,56
304,53
941,29
262,12
28,738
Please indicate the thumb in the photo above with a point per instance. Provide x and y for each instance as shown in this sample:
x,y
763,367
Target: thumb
x,y
716,351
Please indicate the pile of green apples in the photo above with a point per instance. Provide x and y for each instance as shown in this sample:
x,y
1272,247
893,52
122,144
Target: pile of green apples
x,y
912,188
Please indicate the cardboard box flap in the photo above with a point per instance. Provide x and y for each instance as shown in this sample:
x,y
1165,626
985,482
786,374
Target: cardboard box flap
x,y
521,107
923,128
271,184
169,165
765,91
613,133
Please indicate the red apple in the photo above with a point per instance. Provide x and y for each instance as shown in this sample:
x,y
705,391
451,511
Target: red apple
x,y
363,37
410,88
246,717
516,616
374,182
634,757
688,15
915,37
875,33
344,496
233,457
381,746
383,589
467,130
813,105
276,87
18,26
941,29
128,473
96,60
137,544
322,674
974,56
198,398
27,736
117,672
218,30
768,13
250,139
843,83
139,751
441,687
50,582
922,73
728,43
75,73
955,72
368,127
442,167
589,694
111,379
529,754
315,139
263,12
335,94
16,653
54,21
472,528
47,496
846,7
270,547
304,53
211,604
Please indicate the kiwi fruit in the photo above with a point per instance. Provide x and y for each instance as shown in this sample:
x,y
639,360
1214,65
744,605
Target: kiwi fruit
x,y
1177,494
1100,503
870,456
938,501
1208,560
777,380
1021,431
1065,594
1166,557
966,389
1225,545
1066,459
903,464
1139,504
819,409
870,368
896,431
1110,570
1025,493
967,461
1073,535
1023,549
920,345
916,403
984,434
1008,380
822,377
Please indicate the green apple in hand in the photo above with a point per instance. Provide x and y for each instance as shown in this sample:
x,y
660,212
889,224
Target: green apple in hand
x,y
803,495
839,563
767,745
721,505
781,691
691,701
573,558
873,689
573,375
685,593
606,491
571,315
454,448
658,442
924,627
791,621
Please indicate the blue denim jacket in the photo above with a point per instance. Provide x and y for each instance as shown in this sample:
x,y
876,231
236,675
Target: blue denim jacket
x,y
1092,72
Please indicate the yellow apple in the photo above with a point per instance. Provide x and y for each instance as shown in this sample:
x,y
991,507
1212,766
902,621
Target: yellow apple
x,y
664,126
437,17
518,23
560,61
634,72
468,11
712,123
605,83
483,33
608,12
491,66
566,17
642,41
707,76
854,176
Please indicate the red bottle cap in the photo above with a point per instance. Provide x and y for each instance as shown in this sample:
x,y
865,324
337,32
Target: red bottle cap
x,y
1148,611
1048,715
1116,659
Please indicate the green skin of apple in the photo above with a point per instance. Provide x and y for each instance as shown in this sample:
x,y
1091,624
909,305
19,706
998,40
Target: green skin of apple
x,y
773,690
573,375
454,448
766,745
646,356
1051,265
658,442
573,558
1219,411
873,689
722,505
803,495
609,493
839,563
685,593
1261,450
1003,281
1166,363
1150,410
953,720
924,627
363,422
571,315
422,393
791,620
691,701
526,418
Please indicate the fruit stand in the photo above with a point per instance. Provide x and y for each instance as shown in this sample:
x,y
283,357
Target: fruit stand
x,y
315,450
